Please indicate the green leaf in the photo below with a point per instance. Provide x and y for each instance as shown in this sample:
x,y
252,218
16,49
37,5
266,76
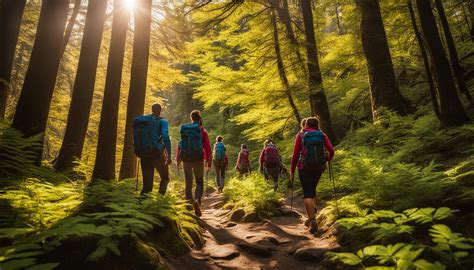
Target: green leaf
x,y
346,258
17,264
426,265
43,266
442,213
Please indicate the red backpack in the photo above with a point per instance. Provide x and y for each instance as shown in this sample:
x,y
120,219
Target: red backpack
x,y
243,159
271,157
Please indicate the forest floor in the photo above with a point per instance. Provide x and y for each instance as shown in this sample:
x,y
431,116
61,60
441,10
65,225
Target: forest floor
x,y
281,242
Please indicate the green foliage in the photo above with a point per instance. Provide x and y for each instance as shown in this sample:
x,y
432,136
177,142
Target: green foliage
x,y
110,212
252,193
450,249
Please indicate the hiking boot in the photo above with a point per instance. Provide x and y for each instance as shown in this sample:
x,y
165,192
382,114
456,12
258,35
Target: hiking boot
x,y
313,226
197,209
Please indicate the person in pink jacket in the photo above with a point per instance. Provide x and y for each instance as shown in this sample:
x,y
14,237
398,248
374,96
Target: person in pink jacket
x,y
309,177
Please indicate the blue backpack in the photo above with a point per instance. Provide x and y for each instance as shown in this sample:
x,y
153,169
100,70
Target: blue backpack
x,y
191,143
313,156
219,151
147,139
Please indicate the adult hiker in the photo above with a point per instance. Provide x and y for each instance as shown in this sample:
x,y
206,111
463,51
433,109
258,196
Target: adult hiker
x,y
193,149
311,151
243,161
270,162
221,162
152,145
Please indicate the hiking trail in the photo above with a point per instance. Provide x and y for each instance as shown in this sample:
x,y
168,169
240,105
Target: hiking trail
x,y
277,243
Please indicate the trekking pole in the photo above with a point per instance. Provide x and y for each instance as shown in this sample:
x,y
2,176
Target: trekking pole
x,y
331,178
207,182
292,188
136,180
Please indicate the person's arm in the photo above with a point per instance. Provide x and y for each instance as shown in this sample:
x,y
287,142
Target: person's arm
x,y
296,154
166,138
206,144
238,161
329,147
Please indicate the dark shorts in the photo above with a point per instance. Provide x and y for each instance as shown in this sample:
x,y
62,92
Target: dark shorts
x,y
309,180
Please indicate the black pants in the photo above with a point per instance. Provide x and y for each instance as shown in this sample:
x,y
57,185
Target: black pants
x,y
272,174
309,181
194,170
148,170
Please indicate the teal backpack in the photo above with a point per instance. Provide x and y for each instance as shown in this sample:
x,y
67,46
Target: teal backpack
x,y
219,151
313,155
191,143
147,139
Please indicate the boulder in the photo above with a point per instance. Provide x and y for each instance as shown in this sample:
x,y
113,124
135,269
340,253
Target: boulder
x,y
252,217
309,254
237,215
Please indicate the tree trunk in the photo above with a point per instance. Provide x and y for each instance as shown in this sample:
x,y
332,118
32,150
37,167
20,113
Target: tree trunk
x,y
83,90
281,68
471,15
383,84
11,12
104,167
338,20
136,96
451,110
33,106
453,53
283,11
317,97
70,26
424,56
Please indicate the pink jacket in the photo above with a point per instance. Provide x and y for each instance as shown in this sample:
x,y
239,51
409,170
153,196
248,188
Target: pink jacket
x,y
297,150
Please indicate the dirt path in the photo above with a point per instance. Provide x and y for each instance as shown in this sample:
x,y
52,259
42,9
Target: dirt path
x,y
278,243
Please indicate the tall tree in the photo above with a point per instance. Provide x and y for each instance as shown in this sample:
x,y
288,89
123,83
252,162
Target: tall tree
x,y
104,167
285,17
451,109
453,53
426,62
33,106
70,25
281,67
383,84
139,71
83,90
11,12
317,97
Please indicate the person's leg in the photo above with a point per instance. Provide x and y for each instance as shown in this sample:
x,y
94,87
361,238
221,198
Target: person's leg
x,y
274,173
222,177
188,176
147,173
308,184
163,170
198,168
216,169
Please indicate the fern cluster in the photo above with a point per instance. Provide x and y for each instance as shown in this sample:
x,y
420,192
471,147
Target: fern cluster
x,y
437,242
110,212
252,193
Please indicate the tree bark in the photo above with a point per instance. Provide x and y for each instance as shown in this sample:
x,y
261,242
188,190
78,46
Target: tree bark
x,y
426,62
283,11
281,68
317,97
384,90
33,106
136,96
11,12
70,26
83,90
451,109
104,167
453,53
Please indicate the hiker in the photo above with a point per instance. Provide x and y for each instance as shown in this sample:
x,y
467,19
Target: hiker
x,y
193,149
270,162
311,151
153,146
221,162
243,161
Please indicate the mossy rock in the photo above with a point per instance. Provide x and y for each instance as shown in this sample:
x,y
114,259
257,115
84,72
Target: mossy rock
x,y
252,217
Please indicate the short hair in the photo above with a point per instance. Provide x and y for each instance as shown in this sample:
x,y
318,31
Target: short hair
x,y
196,116
267,142
156,108
312,122
219,138
244,146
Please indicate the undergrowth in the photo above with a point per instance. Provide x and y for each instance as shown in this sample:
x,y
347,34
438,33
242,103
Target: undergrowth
x,y
110,213
253,194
